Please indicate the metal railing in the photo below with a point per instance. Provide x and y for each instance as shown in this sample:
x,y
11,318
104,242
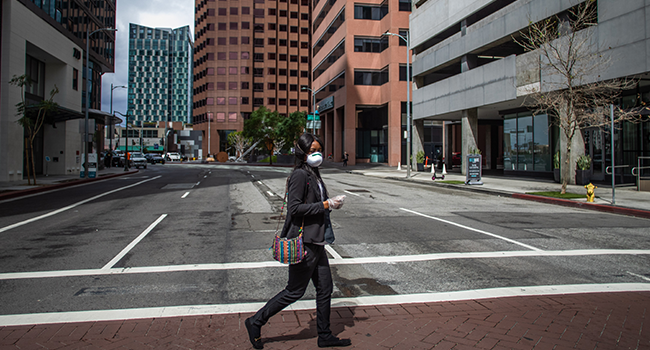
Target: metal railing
x,y
636,171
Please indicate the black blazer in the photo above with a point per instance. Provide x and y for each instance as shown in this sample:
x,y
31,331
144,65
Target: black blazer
x,y
304,202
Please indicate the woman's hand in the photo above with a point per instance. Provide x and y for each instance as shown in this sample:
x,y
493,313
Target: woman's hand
x,y
326,204
336,202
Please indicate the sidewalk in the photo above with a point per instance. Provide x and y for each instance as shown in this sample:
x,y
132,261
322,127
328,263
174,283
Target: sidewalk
x,y
570,321
46,183
629,201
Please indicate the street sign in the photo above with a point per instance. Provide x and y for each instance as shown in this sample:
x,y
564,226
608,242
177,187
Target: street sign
x,y
313,124
474,170
155,146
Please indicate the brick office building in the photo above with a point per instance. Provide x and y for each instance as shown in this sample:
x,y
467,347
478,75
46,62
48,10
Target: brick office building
x,y
248,54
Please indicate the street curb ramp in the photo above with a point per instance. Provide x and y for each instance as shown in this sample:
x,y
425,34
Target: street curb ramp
x,y
21,193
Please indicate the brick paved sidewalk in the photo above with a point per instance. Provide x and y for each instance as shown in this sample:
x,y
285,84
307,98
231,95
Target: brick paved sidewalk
x,y
579,321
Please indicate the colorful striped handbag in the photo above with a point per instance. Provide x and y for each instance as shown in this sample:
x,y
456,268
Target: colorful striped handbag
x,y
288,251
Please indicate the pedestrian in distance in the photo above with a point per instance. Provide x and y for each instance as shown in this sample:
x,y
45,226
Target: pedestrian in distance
x,y
308,207
345,159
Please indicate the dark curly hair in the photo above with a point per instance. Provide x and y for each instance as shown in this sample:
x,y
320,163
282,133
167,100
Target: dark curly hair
x,y
303,145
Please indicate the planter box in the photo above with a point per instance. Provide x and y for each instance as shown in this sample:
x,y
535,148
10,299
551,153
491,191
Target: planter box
x,y
583,177
420,166
556,175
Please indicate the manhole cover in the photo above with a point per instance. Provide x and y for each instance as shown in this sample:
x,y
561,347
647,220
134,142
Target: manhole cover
x,y
358,191
179,186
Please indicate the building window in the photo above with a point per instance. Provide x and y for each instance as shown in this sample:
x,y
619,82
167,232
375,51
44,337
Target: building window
x,y
370,44
221,117
232,100
244,100
247,10
234,11
210,71
221,100
209,101
259,13
283,72
221,26
232,85
402,73
293,87
257,102
282,87
232,117
245,55
232,55
234,40
271,86
405,5
271,56
283,13
221,70
245,70
221,56
293,58
271,13
245,40
258,72
271,41
283,42
221,41
293,73
221,85
374,13
271,26
223,11
304,59
271,100
371,77
404,33
75,79
234,25
283,27
232,70
245,25
293,29
304,16
258,57
304,74
293,43
283,57
244,85
272,71
283,102
293,102
304,103
526,142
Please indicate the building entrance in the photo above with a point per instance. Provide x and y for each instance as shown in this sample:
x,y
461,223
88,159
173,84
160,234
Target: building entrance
x,y
596,147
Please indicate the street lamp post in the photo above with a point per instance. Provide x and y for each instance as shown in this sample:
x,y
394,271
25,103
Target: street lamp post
x,y
209,131
110,126
126,141
313,107
408,99
89,80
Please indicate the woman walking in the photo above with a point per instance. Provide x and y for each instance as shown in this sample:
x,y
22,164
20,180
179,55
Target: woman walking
x,y
307,204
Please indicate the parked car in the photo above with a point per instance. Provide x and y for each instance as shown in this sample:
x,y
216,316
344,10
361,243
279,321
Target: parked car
x,y
138,160
173,157
154,158
117,159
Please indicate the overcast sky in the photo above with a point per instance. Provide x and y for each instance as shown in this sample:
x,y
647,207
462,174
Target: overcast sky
x,y
150,13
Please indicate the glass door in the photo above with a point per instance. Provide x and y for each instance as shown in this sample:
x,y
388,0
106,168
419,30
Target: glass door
x,y
594,147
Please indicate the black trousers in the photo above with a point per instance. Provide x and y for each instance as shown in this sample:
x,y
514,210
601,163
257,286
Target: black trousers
x,y
314,267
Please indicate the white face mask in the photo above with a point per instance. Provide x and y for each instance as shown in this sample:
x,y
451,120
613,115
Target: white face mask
x,y
315,159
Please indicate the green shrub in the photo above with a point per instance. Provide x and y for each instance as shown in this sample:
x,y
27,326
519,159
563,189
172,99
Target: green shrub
x,y
556,160
474,151
584,162
420,156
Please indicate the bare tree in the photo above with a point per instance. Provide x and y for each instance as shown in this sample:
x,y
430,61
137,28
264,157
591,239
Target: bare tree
x,y
571,89
239,142
30,121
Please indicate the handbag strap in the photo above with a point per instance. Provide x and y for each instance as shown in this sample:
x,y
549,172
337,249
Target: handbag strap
x,y
284,204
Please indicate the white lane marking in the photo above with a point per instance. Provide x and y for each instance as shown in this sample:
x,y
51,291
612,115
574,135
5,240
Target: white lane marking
x,y
270,193
18,224
352,193
205,176
259,182
333,253
253,176
137,240
473,229
342,261
198,183
639,276
185,195
221,309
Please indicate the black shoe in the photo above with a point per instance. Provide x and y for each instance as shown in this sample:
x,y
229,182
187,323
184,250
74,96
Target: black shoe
x,y
254,334
333,342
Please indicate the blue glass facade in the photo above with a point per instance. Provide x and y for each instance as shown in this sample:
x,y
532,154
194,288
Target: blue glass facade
x,y
159,74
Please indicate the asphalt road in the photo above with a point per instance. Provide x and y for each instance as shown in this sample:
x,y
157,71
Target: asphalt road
x,y
175,235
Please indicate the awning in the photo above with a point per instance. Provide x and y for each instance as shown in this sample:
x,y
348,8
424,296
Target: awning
x,y
62,114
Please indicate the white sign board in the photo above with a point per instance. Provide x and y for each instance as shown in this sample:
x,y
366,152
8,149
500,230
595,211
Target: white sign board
x,y
92,165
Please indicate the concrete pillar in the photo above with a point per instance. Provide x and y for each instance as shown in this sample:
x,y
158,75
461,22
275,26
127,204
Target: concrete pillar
x,y
350,118
394,133
337,142
468,62
470,135
577,149
417,140
449,145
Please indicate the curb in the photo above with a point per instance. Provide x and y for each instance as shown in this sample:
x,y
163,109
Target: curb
x,y
583,205
21,193
548,200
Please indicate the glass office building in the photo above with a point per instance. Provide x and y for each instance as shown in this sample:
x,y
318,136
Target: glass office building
x,y
160,65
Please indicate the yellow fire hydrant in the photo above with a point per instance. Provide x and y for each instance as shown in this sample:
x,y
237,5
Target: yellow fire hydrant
x,y
590,192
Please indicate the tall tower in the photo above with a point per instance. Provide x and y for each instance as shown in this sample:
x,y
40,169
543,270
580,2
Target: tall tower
x,y
248,54
160,62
